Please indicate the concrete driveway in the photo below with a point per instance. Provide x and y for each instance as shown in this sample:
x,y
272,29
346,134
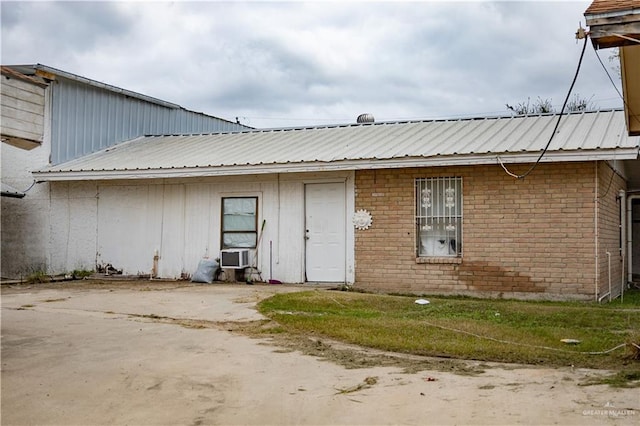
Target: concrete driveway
x,y
138,354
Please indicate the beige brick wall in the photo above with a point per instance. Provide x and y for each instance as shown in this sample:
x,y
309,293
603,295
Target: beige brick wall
x,y
531,238
610,267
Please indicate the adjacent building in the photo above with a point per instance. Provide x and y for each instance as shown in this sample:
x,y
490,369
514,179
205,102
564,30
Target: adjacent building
x,y
402,207
490,206
50,116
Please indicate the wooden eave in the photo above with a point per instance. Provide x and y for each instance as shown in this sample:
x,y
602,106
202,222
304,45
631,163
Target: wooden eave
x,y
22,143
11,73
614,29
630,72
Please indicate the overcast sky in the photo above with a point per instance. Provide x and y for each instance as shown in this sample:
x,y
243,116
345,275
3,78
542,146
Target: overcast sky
x,y
294,64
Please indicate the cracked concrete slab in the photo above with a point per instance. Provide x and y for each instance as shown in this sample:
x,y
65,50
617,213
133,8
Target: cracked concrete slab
x,y
77,356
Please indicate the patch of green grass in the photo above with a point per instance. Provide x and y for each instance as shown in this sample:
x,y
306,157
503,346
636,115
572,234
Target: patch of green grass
x,y
79,274
467,328
24,307
37,277
622,379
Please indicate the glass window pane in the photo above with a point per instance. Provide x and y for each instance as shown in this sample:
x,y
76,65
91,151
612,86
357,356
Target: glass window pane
x,y
239,206
239,240
238,223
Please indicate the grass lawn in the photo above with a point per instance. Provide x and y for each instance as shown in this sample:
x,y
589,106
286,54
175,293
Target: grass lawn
x,y
468,328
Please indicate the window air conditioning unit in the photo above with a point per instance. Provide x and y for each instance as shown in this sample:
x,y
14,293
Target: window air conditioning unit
x,y
234,258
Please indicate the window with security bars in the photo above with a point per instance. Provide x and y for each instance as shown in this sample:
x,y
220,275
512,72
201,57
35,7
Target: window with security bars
x,y
439,217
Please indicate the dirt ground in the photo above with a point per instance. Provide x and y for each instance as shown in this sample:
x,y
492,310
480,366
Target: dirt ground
x,y
151,353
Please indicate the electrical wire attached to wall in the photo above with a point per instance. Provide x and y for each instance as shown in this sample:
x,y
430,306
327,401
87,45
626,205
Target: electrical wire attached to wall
x,y
29,188
15,193
564,105
613,173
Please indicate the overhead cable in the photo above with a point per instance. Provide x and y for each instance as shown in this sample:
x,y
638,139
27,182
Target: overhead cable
x,y
564,105
631,113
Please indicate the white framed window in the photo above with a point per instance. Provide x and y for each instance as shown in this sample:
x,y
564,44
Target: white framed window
x,y
239,222
439,217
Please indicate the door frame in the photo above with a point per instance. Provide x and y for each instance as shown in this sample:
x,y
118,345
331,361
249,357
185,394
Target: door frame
x,y
349,186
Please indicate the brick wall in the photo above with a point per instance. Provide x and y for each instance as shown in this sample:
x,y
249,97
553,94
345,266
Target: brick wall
x,y
609,266
531,238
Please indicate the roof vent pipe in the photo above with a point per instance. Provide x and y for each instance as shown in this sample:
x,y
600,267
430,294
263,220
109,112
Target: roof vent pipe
x,y
365,118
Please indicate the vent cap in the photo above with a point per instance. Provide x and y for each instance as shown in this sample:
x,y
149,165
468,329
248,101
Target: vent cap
x,y
365,118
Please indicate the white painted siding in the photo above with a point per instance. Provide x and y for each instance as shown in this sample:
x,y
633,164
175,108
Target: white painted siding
x,y
22,109
129,226
74,224
124,223
286,231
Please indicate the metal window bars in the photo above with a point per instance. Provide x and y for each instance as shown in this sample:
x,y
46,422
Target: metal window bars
x,y
439,216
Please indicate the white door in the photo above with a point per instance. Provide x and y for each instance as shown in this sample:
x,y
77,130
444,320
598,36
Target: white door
x,y
325,232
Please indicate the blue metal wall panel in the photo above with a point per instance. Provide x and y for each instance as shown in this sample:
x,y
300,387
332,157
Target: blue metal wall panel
x,y
87,119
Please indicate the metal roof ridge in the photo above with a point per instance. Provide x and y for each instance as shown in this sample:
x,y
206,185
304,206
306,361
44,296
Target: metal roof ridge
x,y
106,86
388,123
115,89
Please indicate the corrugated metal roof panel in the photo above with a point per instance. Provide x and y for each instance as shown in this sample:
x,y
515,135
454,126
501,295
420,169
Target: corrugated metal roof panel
x,y
86,119
88,116
579,132
10,191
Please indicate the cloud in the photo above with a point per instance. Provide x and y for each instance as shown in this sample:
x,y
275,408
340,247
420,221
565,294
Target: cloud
x,y
66,29
278,64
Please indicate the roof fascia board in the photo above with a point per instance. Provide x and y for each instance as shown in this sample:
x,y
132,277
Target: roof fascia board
x,y
11,73
623,13
595,155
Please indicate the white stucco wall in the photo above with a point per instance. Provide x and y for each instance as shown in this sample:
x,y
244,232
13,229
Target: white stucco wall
x,y
25,222
24,229
124,223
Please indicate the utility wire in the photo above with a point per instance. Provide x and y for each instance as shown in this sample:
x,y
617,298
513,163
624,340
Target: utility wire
x,y
631,113
564,105
613,173
493,339
29,188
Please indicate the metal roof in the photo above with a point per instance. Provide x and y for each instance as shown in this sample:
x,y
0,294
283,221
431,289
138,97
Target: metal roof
x,y
87,116
580,136
32,69
10,191
600,7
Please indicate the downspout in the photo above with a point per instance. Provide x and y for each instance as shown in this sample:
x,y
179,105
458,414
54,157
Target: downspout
x,y
630,235
623,239
595,224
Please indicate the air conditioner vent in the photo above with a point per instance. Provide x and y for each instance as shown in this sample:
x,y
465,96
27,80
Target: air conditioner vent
x,y
234,258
